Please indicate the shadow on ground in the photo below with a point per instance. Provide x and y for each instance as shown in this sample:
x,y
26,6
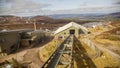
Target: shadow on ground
x,y
80,56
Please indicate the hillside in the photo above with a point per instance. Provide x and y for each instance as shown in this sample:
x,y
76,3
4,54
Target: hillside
x,y
88,16
15,22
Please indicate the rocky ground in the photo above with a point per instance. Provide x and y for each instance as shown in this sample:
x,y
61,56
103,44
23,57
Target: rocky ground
x,y
28,57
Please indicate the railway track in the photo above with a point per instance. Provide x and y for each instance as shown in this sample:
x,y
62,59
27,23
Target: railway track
x,y
62,56
70,54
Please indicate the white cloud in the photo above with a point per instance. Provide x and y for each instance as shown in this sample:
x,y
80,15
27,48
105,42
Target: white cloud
x,y
90,9
27,8
117,2
21,7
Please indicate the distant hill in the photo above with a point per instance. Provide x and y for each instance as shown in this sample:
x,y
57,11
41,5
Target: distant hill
x,y
39,19
117,14
51,20
44,19
9,19
60,16
98,16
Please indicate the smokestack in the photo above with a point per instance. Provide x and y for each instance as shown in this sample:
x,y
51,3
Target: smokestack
x,y
35,28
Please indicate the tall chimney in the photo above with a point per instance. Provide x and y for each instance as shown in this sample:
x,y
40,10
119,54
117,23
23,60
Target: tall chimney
x,y
34,22
35,28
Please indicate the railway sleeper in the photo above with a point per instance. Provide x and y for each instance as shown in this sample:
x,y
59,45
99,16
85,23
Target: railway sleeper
x,y
64,63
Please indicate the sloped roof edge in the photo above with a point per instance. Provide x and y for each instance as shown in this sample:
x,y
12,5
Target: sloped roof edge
x,y
69,25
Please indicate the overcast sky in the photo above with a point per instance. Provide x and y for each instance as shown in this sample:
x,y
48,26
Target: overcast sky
x,y
47,7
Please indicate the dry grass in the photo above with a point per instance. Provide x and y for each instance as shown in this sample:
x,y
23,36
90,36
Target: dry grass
x,y
113,37
110,40
97,29
116,23
89,51
48,49
106,60
112,43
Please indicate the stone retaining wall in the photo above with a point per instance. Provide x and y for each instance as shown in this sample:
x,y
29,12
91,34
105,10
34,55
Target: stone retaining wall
x,y
91,44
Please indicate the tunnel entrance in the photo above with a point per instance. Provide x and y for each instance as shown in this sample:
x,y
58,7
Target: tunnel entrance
x,y
72,31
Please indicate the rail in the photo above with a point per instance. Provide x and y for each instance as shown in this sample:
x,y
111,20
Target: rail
x,y
63,48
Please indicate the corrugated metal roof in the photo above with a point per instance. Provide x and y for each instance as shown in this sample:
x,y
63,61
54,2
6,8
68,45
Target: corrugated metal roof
x,y
69,25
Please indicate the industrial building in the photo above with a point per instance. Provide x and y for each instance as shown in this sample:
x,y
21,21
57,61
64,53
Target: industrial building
x,y
12,40
9,41
70,28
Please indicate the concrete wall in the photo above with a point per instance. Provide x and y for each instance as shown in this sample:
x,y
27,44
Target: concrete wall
x,y
91,44
9,39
